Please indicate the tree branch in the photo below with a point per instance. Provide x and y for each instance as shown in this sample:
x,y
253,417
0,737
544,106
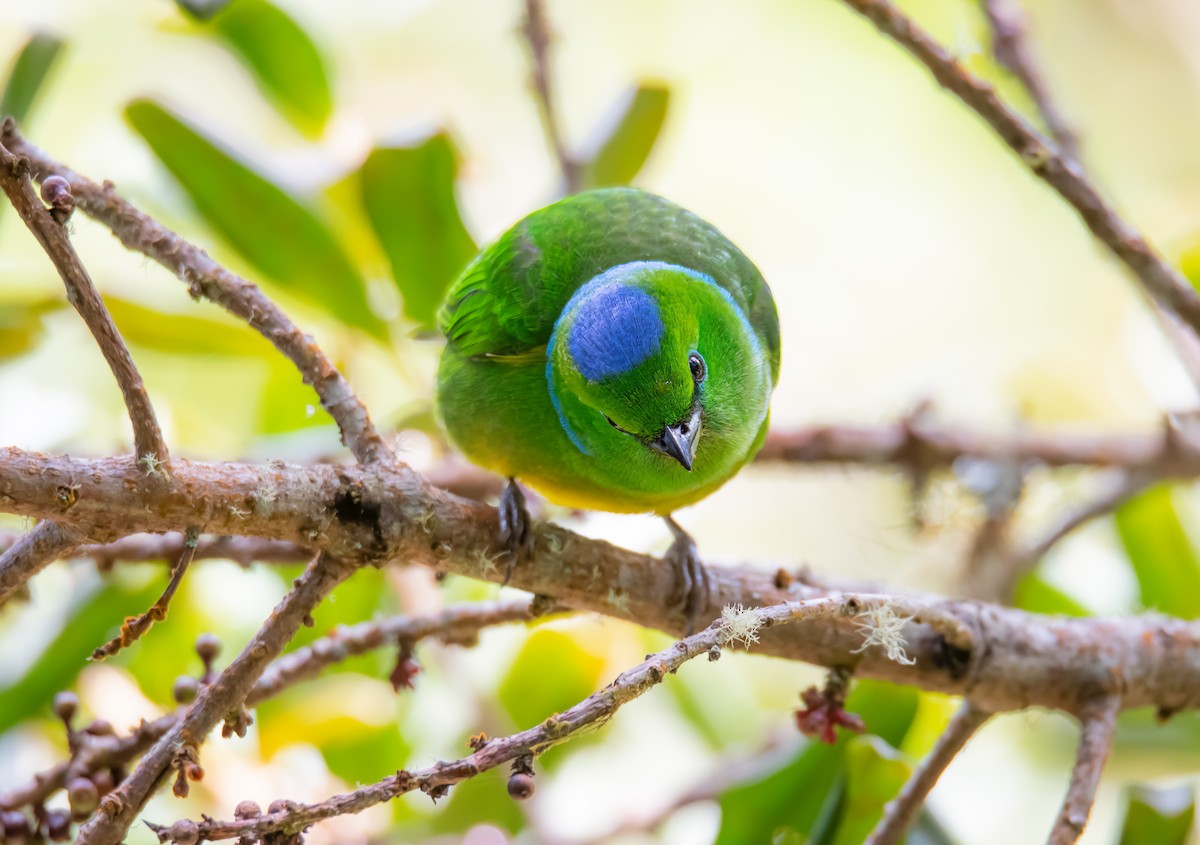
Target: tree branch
x,y
45,543
82,294
536,31
457,624
899,813
1160,280
1003,659
135,626
1012,52
588,715
204,277
1098,725
220,700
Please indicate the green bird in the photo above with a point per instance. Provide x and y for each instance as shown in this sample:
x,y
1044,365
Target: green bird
x,y
614,352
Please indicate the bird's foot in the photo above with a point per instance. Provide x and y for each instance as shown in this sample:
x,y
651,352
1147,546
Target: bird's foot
x,y
514,526
694,584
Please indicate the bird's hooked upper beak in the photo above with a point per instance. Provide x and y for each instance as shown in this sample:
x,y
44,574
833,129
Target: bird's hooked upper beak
x,y
679,440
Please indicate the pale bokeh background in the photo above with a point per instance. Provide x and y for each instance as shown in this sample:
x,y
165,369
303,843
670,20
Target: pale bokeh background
x,y
913,258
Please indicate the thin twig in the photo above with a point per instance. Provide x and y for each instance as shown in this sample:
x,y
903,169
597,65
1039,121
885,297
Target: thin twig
x,y
45,543
204,277
917,445
1161,281
216,701
899,813
588,715
1098,724
457,625
536,31
1012,51
82,294
135,626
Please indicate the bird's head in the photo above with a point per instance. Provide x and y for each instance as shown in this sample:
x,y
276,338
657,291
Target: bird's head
x,y
661,354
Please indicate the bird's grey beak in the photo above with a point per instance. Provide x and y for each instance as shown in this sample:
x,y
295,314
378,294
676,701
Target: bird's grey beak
x,y
679,440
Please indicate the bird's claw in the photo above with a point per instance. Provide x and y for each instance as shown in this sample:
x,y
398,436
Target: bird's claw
x,y
691,574
514,526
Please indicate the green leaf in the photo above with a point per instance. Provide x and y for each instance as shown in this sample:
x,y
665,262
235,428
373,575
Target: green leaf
x,y
185,334
1158,816
282,58
550,673
21,325
874,774
270,229
1034,594
408,193
791,800
94,618
625,144
28,74
1161,553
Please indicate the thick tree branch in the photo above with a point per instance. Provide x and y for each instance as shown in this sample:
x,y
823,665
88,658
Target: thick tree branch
x,y
589,714
900,812
1161,281
82,294
204,277
223,699
1003,659
459,624
1098,724
45,543
535,29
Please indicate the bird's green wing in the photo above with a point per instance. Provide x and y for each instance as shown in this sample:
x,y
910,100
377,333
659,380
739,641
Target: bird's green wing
x,y
507,300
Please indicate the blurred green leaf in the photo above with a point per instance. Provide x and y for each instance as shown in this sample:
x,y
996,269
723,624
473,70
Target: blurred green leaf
x,y
408,193
202,10
287,404
1158,816
21,325
184,334
27,75
550,673
1034,594
806,796
874,774
281,237
791,798
625,143
282,58
93,619
1161,553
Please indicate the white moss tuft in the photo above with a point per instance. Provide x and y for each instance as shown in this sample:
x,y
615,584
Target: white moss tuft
x,y
739,625
885,628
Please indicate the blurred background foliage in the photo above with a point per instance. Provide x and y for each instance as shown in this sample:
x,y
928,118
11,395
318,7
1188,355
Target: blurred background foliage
x,y
350,157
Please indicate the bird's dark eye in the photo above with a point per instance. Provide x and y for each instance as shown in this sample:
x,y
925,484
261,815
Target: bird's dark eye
x,y
696,365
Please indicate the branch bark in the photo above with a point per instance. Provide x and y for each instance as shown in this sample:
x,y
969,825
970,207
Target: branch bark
x,y
83,296
217,701
45,543
898,815
1160,280
535,29
458,624
204,277
1098,725
589,714
1003,659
